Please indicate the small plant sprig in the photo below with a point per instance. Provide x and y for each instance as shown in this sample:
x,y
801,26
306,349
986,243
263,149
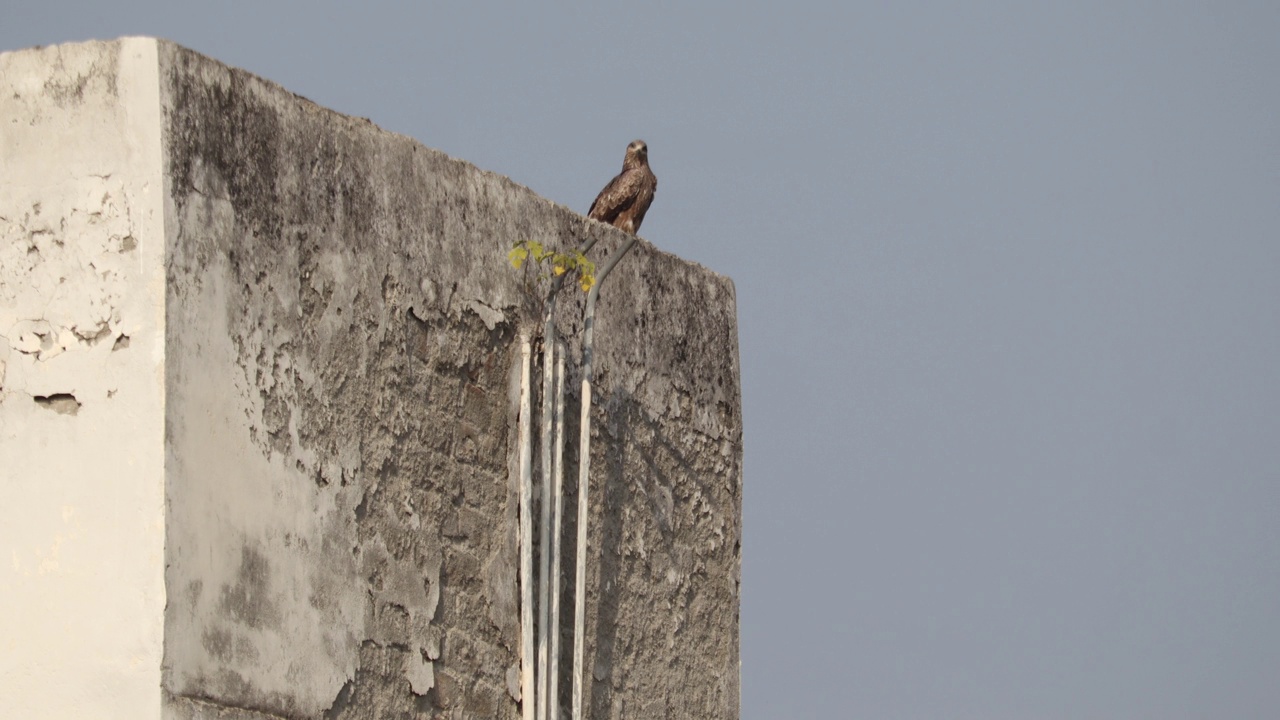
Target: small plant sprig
x,y
560,263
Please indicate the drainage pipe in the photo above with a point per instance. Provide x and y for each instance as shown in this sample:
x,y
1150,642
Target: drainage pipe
x,y
584,474
544,527
546,673
526,537
553,692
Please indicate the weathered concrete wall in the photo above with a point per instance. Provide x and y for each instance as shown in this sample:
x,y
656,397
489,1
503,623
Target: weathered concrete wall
x,y
81,382
340,411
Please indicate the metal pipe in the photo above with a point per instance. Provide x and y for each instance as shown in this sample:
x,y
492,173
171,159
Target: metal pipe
x,y
580,581
553,692
544,565
584,474
526,536
547,670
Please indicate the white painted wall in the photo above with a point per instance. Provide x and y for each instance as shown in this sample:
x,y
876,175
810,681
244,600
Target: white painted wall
x,y
82,293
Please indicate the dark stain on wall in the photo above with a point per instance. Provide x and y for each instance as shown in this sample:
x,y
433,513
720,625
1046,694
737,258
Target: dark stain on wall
x,y
376,323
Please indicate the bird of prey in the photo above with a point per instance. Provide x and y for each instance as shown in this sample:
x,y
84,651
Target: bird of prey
x,y
624,201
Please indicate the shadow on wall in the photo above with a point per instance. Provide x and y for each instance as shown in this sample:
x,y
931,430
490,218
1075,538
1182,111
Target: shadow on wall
x,y
658,516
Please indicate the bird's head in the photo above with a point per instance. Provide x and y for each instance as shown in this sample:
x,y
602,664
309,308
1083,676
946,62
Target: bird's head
x,y
637,154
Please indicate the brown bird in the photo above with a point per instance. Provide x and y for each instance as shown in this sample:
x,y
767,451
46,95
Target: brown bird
x,y
624,201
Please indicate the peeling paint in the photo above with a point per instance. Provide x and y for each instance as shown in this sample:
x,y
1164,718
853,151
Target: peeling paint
x,y
61,403
363,317
84,585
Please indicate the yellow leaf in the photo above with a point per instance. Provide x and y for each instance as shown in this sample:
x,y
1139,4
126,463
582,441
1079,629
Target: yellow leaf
x,y
517,256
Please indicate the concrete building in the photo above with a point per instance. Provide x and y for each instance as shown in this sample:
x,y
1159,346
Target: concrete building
x,y
259,371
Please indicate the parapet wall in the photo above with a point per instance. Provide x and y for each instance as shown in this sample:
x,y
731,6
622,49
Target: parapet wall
x,y
339,373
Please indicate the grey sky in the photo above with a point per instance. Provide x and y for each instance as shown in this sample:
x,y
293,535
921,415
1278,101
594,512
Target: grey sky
x,y
1009,290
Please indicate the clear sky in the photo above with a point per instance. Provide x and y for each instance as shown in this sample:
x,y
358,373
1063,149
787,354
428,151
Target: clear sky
x,y
1008,284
